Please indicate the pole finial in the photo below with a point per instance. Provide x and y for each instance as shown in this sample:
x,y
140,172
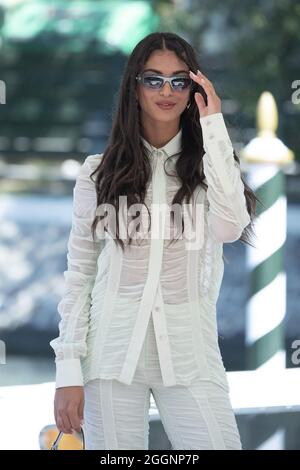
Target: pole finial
x,y
267,115
266,147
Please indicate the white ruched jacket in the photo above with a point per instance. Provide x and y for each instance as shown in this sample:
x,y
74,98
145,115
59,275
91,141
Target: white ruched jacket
x,y
110,295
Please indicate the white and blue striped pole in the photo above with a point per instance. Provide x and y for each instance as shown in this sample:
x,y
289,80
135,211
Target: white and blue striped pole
x,y
266,307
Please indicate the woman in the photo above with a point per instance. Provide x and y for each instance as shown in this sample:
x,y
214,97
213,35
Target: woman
x,y
139,312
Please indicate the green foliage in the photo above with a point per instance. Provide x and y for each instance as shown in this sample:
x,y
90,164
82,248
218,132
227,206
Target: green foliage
x,y
247,47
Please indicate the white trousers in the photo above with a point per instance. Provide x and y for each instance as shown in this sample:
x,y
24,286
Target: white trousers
x,y
198,416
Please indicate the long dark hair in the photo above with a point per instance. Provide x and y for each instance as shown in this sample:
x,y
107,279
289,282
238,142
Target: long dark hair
x,y
124,169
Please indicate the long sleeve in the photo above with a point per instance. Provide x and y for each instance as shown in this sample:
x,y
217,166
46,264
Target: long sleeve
x,y
82,254
228,215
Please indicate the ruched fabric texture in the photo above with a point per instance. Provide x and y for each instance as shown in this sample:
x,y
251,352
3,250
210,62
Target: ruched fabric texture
x,y
197,416
111,296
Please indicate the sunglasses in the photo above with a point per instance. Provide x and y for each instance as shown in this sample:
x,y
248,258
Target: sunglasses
x,y
156,82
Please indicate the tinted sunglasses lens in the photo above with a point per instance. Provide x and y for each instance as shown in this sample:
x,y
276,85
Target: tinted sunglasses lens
x,y
181,83
178,83
153,82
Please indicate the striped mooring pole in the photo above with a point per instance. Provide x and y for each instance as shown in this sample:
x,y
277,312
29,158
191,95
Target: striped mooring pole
x,y
266,307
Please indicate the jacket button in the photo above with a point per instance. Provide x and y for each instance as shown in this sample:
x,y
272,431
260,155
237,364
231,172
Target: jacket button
x,y
157,309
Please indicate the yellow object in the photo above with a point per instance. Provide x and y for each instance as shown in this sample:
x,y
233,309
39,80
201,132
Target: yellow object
x,y
49,433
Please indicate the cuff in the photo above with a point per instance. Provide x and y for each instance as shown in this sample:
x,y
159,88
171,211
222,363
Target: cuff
x,y
68,373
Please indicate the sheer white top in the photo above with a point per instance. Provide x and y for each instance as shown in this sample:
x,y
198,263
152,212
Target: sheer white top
x,y
110,295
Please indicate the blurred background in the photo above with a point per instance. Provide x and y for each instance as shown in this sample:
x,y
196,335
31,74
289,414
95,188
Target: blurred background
x,y
60,70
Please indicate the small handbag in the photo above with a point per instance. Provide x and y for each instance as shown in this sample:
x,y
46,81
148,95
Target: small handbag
x,y
70,444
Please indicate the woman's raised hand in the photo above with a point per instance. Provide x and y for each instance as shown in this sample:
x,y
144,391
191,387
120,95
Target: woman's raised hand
x,y
213,101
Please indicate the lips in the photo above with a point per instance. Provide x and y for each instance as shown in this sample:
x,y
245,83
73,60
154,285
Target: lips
x,y
165,104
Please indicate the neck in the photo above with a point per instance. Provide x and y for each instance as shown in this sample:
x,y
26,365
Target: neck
x,y
158,133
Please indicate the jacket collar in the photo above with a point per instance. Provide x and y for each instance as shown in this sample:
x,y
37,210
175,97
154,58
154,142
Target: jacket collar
x,y
170,148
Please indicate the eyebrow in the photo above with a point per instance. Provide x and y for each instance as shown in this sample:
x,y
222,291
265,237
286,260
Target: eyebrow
x,y
160,73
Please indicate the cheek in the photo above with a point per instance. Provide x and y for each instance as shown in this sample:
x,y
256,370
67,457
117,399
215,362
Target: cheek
x,y
183,102
147,97
147,100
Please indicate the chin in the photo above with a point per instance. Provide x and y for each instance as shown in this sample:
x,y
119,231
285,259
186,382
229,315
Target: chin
x,y
166,116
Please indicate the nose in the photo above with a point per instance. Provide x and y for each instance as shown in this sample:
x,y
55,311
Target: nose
x,y
166,84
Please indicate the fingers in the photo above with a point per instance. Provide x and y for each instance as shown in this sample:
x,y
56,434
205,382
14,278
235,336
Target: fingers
x,y
68,409
69,420
64,423
81,407
200,101
203,81
75,419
